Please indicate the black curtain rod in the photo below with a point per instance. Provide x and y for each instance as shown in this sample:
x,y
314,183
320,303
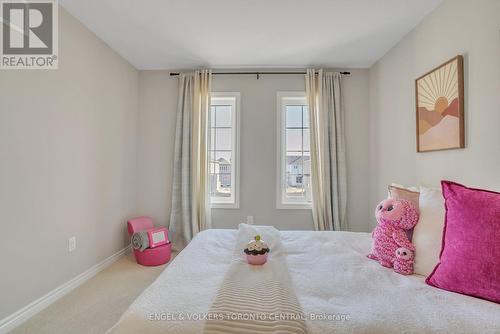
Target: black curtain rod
x,y
173,74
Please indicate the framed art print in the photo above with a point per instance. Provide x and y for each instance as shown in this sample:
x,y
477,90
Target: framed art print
x,y
439,96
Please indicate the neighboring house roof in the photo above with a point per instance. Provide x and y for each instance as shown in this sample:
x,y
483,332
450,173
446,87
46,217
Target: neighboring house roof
x,y
222,161
294,159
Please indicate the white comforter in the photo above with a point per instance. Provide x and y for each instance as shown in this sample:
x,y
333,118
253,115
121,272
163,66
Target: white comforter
x,y
332,277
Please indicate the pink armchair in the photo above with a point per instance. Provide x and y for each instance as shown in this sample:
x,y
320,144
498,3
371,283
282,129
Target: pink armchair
x,y
150,256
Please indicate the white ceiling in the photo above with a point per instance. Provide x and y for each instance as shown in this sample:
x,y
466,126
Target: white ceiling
x,y
181,34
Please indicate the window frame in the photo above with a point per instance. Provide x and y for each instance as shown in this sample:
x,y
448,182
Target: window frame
x,y
281,202
234,203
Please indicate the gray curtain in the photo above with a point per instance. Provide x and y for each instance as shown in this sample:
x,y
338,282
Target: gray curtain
x,y
328,162
190,212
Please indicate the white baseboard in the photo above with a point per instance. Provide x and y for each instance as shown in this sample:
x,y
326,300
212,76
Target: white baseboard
x,y
12,321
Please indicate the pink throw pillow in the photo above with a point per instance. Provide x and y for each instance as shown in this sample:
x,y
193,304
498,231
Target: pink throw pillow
x,y
470,255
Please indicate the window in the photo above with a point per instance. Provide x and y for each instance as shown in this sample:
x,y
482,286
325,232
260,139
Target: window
x,y
294,157
224,150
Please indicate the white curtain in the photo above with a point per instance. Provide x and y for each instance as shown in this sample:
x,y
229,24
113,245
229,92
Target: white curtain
x,y
328,166
190,212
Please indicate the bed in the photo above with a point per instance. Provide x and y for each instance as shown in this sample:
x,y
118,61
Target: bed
x,y
341,290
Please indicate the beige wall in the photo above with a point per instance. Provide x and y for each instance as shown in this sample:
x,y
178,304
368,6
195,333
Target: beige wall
x,y
158,99
471,28
68,164
155,150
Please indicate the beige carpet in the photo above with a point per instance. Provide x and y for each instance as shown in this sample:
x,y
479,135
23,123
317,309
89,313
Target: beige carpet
x,y
96,305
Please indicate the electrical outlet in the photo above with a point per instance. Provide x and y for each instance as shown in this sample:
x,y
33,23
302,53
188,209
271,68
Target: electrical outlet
x,y
250,220
71,244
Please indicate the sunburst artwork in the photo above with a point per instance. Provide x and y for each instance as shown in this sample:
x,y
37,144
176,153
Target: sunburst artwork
x,y
440,108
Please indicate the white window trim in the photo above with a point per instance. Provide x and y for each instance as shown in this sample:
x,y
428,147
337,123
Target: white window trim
x,y
281,151
235,168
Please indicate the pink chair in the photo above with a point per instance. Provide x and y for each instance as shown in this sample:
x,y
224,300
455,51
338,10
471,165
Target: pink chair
x,y
150,256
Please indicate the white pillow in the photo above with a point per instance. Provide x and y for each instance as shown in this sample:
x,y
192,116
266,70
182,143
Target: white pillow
x,y
428,234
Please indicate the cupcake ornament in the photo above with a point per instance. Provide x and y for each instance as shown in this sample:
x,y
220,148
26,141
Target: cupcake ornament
x,y
257,251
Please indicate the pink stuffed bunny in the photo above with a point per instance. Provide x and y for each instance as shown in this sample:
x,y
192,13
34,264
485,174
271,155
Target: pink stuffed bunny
x,y
390,244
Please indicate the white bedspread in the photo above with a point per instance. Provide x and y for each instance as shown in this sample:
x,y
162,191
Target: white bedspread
x,y
332,277
257,291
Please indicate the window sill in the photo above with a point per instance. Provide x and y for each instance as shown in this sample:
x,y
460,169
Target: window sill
x,y
224,206
294,206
